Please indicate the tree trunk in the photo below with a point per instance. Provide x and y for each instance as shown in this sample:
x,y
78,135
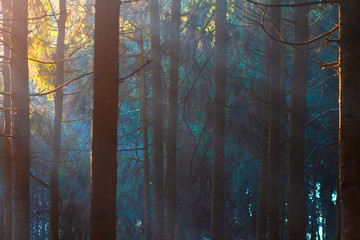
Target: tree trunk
x,y
261,216
105,118
7,177
296,195
274,141
20,102
54,180
157,122
144,126
172,121
349,103
218,164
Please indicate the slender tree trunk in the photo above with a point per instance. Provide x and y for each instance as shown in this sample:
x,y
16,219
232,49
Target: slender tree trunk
x,y
105,118
274,140
7,177
296,195
54,181
144,125
261,216
172,122
349,136
218,164
20,101
157,122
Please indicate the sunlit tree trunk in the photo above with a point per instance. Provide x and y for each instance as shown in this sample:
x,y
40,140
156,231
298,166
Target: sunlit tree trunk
x,y
105,118
296,195
21,134
54,181
349,103
7,172
144,125
261,216
274,139
218,162
157,122
172,122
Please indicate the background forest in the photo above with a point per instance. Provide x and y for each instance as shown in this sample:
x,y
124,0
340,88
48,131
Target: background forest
x,y
227,119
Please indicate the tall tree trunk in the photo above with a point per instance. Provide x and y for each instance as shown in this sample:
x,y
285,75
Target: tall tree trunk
x,y
296,195
157,122
7,177
20,102
261,216
349,136
54,181
218,164
172,122
105,118
274,140
146,167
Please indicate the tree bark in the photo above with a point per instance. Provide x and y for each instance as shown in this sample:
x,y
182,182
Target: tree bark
x,y
274,140
172,122
218,164
349,104
54,180
105,118
261,217
7,172
157,122
21,135
296,195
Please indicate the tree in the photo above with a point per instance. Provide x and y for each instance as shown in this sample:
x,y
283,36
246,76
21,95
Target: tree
x,y
21,134
144,126
296,195
172,122
105,118
274,139
7,171
349,104
218,161
54,181
261,216
157,122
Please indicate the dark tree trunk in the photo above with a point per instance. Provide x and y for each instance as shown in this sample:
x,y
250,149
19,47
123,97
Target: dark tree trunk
x,y
105,118
218,164
20,102
157,122
172,122
349,136
296,195
144,125
54,180
274,140
7,172
261,216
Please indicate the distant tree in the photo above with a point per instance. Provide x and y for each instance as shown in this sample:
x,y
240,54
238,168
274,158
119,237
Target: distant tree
x,y
261,217
349,103
274,127
296,194
144,127
171,159
105,118
54,181
157,122
218,161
